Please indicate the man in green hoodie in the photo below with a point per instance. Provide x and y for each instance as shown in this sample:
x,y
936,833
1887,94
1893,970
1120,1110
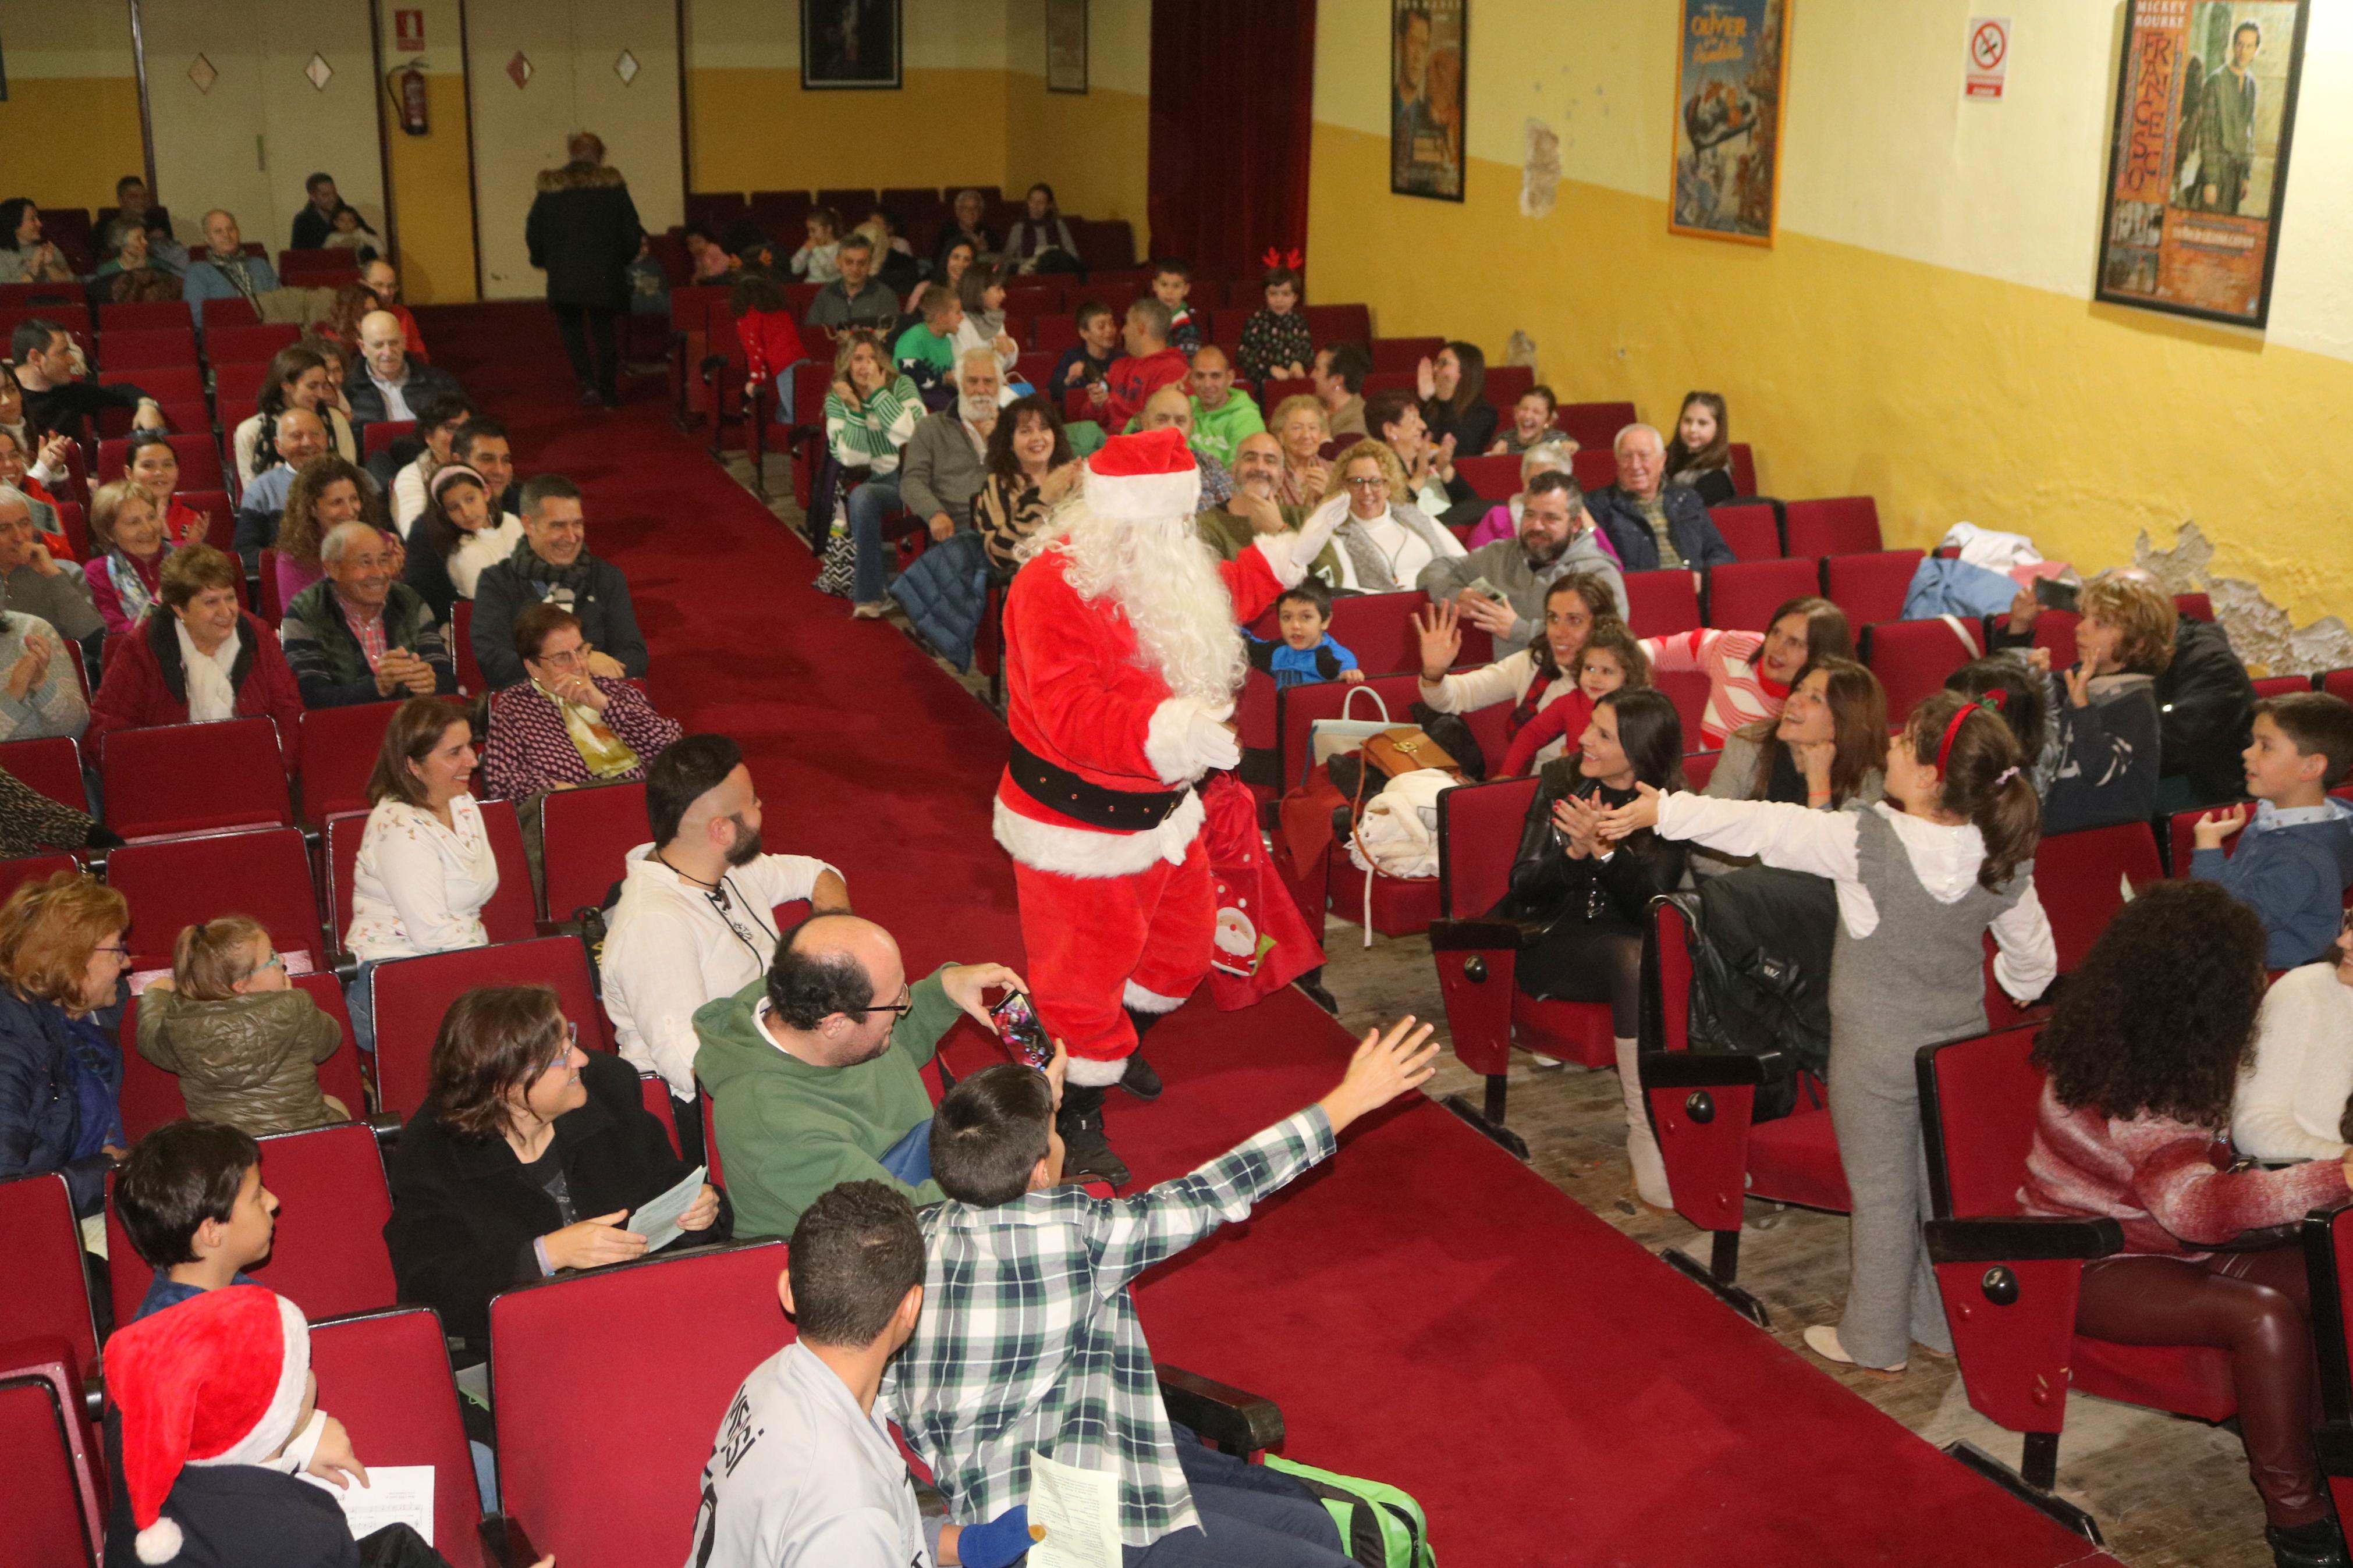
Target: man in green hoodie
x,y
815,1070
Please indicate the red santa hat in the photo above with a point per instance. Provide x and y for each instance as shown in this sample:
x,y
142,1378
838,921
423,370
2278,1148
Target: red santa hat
x,y
1149,477
217,1380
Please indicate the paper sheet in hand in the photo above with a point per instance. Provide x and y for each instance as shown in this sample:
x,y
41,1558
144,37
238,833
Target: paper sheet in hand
x,y
396,1494
657,1220
1080,1509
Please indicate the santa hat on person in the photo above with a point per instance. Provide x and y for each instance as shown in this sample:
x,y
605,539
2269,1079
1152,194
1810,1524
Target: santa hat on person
x,y
217,1380
1149,477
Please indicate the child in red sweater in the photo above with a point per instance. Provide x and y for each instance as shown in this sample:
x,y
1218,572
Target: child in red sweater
x,y
772,344
1150,365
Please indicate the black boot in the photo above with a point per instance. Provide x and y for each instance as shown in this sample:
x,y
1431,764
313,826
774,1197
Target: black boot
x,y
1141,1080
1085,1150
2319,1544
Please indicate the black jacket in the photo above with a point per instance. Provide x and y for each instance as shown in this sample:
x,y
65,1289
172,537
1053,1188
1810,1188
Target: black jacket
x,y
464,1214
2110,752
583,231
1696,540
608,620
2205,709
424,383
232,1516
1612,895
1473,429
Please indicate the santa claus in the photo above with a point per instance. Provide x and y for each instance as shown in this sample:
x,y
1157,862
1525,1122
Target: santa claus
x,y
1122,658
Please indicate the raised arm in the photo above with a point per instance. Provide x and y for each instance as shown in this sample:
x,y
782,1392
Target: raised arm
x,y
2027,960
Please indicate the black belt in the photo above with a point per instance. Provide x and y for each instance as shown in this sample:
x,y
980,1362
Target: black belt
x,y
1129,811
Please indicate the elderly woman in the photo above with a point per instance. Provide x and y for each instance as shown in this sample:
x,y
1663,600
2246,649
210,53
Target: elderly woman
x,y
297,378
155,466
205,660
457,539
1503,520
62,962
327,492
525,1160
964,223
1303,428
1030,467
425,868
1386,541
40,696
133,273
126,536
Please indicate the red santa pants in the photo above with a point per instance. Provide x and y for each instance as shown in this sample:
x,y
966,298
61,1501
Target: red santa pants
x,y
1094,941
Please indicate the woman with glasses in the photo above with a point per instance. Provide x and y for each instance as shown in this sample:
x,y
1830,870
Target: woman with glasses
x,y
61,996
529,1157
245,1041
1387,540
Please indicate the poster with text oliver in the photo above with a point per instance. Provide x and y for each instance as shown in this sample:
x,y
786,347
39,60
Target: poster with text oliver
x,y
1427,39
1731,66
2198,168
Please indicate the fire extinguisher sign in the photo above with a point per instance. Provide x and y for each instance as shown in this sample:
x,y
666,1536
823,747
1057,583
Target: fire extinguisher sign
x,y
409,30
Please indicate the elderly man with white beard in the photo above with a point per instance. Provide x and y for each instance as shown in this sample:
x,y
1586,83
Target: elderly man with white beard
x,y
1122,657
942,470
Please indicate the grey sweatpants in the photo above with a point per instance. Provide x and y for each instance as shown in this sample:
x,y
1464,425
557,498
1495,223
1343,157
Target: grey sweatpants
x,y
1892,1299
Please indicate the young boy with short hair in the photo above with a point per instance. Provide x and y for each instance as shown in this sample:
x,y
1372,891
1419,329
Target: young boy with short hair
x,y
191,1195
1306,651
2295,857
1078,378
925,353
984,1382
1172,285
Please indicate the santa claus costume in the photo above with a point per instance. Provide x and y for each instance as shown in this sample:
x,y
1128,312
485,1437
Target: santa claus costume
x,y
1122,658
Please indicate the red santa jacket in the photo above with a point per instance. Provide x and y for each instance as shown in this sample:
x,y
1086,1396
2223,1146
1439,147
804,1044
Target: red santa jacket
x,y
1134,379
146,685
1076,697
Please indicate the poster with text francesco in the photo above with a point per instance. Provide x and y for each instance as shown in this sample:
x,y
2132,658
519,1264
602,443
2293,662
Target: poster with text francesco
x,y
2198,168
1731,66
1427,39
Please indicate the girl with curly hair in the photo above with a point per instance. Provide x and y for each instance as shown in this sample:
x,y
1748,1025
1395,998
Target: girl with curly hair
x,y
2143,1057
1921,877
326,492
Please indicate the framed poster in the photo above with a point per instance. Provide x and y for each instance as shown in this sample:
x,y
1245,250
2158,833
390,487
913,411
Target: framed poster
x,y
1427,38
849,44
2198,162
1066,46
1731,63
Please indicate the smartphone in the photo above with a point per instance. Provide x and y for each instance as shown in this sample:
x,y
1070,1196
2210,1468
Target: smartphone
x,y
2053,594
1481,585
1018,1026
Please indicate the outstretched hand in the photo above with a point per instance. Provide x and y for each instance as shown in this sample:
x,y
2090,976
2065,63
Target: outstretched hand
x,y
1633,817
1440,626
1384,1067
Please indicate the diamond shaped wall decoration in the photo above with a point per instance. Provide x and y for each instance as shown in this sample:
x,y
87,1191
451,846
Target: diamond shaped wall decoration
x,y
319,71
519,70
626,68
201,72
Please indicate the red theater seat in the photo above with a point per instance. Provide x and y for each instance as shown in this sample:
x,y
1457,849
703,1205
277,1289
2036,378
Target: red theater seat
x,y
2081,878
1913,658
47,1295
32,869
194,778
1495,478
1846,525
1742,596
176,882
1752,532
1594,426
588,834
1661,603
337,751
50,766
55,1511
1869,588
386,1374
412,993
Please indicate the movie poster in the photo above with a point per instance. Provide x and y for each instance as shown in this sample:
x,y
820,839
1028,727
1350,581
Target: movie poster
x,y
849,44
2198,168
1731,65
1426,56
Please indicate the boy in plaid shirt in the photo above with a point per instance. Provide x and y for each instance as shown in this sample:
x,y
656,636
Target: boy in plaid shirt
x,y
1029,1344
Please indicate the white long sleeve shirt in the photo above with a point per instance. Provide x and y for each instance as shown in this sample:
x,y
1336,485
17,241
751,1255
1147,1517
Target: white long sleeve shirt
x,y
669,949
2292,1099
419,886
1944,857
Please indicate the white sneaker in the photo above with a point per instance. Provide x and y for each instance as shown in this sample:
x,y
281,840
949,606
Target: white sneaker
x,y
872,610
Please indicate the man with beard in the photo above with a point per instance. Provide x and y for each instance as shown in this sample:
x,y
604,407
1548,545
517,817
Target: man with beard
x,y
815,1070
941,471
695,921
1254,508
1121,661
1555,537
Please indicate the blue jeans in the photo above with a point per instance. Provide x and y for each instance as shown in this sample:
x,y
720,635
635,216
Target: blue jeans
x,y
360,1001
785,392
870,503
910,1158
1247,1522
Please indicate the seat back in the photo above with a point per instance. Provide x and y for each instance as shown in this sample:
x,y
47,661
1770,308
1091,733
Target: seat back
x,y
464,661
32,869
1593,424
47,1293
1742,596
2082,877
336,750
328,1257
1913,658
1869,588
381,434
1595,467
191,778
653,1093
1743,470
251,344
1478,839
1978,1107
412,993
52,1488
2338,683
1329,324
50,766
602,1493
1842,525
2270,686
588,834
1495,478
149,349
512,913
1379,630
1752,532
1661,603
179,883
2196,606
386,1375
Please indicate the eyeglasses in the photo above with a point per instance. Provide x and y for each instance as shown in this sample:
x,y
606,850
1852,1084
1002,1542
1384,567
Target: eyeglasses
x,y
571,1040
1372,484
275,960
119,951
904,1005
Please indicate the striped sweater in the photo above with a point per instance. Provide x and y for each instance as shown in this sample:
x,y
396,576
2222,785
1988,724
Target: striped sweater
x,y
1737,692
2164,1180
870,437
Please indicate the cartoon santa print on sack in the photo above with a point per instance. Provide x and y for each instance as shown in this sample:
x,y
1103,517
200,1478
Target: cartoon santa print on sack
x,y
1122,658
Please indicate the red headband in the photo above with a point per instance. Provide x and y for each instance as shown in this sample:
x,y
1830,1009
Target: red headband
x,y
1987,699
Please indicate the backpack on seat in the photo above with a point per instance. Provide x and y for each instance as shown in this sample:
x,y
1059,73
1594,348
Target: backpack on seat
x,y
1380,1526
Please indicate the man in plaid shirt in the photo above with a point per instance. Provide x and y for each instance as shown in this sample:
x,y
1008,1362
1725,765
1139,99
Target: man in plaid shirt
x,y
1030,1342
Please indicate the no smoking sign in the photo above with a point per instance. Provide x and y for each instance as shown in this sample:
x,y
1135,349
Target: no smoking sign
x,y
1989,61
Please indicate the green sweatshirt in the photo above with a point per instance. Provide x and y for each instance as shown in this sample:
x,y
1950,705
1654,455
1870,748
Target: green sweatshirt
x,y
1217,431
788,1131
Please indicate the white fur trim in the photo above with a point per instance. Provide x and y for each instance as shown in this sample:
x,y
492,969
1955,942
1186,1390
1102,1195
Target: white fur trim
x,y
1145,498
277,1424
1143,1001
1089,852
1168,740
1277,548
1089,1073
160,1541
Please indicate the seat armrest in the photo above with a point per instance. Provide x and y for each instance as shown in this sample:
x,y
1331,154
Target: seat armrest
x,y
1458,936
1227,1417
385,1125
2022,1238
344,966
1714,1069
503,1539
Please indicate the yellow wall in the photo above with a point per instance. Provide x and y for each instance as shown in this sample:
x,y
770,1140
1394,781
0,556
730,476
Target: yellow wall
x,y
70,127
1091,147
429,191
1923,330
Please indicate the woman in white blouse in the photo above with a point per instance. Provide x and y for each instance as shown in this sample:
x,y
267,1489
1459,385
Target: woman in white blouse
x,y
1532,681
2291,1104
1387,540
425,868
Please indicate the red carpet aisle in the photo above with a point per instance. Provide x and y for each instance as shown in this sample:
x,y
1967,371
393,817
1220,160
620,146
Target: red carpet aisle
x,y
1425,1310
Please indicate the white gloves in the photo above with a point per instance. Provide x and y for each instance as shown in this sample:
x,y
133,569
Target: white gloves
x,y
1317,530
1185,740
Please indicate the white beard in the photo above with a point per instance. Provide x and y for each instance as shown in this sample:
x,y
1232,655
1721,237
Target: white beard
x,y
1165,579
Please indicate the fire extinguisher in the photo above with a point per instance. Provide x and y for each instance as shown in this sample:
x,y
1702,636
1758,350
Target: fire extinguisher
x,y
408,90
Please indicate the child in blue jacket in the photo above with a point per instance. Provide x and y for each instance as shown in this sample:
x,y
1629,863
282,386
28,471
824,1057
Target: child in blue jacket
x,y
2294,858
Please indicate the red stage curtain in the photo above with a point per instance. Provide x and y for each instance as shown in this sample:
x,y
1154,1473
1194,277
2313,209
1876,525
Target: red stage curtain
x,y
1232,91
